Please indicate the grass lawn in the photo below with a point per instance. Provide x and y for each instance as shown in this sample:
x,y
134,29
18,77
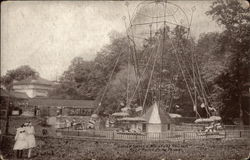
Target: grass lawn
x,y
81,149
51,147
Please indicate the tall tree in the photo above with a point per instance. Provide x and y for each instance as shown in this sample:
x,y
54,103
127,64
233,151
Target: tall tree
x,y
235,40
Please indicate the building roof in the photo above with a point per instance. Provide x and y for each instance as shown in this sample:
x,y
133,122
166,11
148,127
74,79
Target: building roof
x,y
19,95
12,94
155,115
34,80
61,102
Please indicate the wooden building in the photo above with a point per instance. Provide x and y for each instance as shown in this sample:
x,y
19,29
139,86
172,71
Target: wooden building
x,y
14,101
55,107
33,86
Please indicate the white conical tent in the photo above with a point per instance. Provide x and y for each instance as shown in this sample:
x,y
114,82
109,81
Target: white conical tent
x,y
156,119
155,116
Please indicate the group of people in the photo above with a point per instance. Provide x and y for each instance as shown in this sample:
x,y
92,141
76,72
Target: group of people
x,y
24,139
213,127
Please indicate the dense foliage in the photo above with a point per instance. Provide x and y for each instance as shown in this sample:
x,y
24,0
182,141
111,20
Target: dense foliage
x,y
17,74
234,43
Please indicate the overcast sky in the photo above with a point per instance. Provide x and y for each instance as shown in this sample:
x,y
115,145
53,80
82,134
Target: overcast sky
x,y
48,35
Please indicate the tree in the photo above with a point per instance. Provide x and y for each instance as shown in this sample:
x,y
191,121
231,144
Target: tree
x,y
87,79
235,40
110,63
17,74
212,62
119,90
74,83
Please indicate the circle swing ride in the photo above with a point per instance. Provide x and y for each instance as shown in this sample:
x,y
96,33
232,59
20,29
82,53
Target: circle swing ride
x,y
162,55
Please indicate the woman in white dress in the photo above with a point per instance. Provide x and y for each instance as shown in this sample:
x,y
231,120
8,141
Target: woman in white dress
x,y
30,138
21,142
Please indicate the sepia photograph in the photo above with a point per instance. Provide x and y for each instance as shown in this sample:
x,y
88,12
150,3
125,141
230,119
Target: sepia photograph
x,y
125,80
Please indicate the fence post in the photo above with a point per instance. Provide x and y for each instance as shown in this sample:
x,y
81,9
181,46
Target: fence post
x,y
184,136
113,135
240,134
225,134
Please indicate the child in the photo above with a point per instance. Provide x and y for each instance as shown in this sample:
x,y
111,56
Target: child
x,y
21,142
1,155
30,138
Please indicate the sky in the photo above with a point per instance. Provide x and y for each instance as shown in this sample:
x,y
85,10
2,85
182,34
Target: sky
x,y
47,35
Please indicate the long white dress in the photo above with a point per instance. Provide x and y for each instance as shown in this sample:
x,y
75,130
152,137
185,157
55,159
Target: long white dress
x,y
30,138
20,138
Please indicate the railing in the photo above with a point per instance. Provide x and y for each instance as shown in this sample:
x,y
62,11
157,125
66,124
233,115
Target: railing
x,y
170,135
192,127
188,127
236,127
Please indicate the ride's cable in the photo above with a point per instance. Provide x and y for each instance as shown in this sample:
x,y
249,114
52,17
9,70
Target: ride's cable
x,y
109,81
147,23
187,69
153,16
178,61
139,81
198,69
128,78
200,85
206,103
191,20
163,51
203,93
128,62
198,72
133,41
142,73
182,62
136,68
175,82
193,79
150,78
137,73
